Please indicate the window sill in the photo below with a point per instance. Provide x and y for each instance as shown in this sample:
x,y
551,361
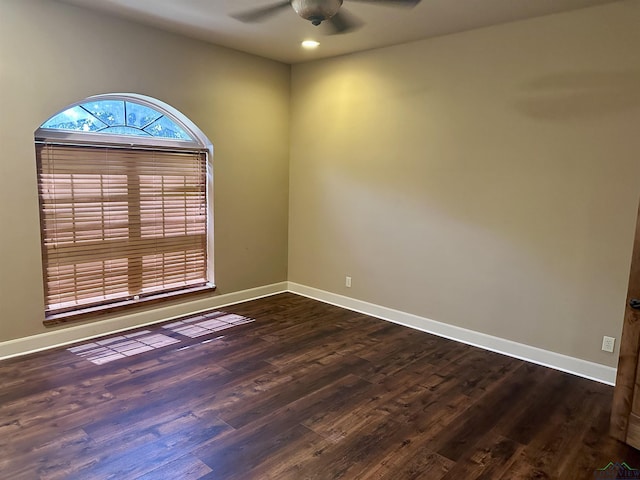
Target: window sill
x,y
61,318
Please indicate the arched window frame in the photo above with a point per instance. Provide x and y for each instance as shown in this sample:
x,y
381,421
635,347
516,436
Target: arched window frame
x,y
198,143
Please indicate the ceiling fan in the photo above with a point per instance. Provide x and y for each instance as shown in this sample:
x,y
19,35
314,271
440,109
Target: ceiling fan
x,y
318,11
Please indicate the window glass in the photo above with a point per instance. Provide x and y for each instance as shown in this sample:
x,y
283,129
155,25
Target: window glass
x,y
117,117
110,112
125,131
76,119
163,127
140,116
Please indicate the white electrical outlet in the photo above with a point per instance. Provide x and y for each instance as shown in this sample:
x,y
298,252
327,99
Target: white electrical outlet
x,y
608,343
347,282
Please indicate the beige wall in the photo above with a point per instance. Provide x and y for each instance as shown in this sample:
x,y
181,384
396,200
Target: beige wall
x,y
488,180
52,55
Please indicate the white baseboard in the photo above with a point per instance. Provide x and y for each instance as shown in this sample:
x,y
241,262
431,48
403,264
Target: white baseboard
x,y
78,333
558,361
67,335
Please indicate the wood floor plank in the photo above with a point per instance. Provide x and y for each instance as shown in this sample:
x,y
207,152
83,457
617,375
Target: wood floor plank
x,y
308,379
306,391
371,438
492,456
236,458
409,464
186,467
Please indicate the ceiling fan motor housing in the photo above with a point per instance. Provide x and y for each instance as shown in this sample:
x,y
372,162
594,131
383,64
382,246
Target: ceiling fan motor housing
x,y
316,11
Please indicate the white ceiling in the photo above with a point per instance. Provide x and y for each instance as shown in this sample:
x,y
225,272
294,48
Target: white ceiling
x,y
279,37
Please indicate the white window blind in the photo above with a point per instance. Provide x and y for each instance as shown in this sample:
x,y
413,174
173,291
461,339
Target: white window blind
x,y
118,223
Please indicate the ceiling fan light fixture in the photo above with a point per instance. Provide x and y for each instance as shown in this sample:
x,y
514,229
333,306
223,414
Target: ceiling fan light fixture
x,y
316,11
310,44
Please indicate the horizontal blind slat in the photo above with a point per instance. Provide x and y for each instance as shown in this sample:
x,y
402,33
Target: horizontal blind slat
x,y
113,218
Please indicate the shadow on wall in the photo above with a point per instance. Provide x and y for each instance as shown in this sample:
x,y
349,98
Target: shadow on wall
x,y
574,95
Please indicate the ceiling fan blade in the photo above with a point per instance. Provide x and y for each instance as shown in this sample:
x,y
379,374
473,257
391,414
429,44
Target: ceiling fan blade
x,y
394,3
261,13
343,22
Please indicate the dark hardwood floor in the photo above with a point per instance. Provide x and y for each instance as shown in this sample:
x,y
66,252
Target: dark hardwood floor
x,y
307,391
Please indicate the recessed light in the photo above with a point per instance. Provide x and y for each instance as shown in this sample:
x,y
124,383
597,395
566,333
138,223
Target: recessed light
x,y
310,44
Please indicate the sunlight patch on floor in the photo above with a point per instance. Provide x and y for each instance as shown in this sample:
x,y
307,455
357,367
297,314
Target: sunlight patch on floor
x,y
207,323
107,350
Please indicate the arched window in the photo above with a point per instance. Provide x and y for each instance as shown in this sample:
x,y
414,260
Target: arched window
x,y
123,188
